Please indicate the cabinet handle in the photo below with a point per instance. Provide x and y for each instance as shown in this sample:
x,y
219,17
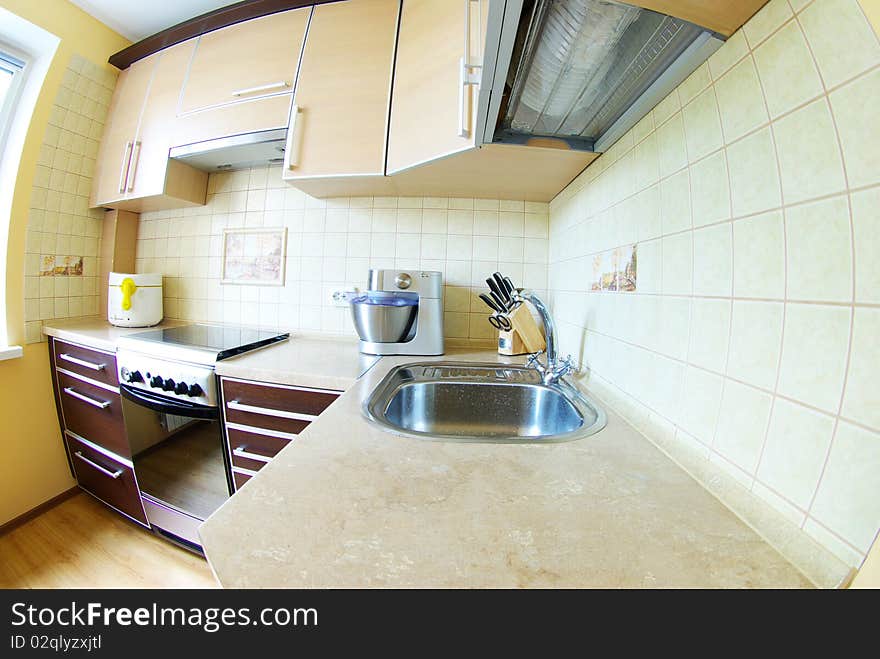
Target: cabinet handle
x,y
132,166
100,404
268,411
126,160
289,160
282,84
94,465
242,452
469,74
81,362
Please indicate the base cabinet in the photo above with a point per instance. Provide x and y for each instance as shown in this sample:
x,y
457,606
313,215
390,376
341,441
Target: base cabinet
x,y
262,418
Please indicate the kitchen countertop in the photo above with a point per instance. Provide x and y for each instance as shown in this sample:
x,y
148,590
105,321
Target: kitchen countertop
x,y
96,332
323,363
351,505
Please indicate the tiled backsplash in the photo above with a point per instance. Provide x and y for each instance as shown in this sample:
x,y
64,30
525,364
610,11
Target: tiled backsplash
x,y
331,244
752,338
63,234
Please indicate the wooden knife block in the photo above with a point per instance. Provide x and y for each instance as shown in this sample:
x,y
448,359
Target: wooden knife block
x,y
524,337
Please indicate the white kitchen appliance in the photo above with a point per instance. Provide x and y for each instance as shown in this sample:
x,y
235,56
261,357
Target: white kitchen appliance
x,y
400,313
134,300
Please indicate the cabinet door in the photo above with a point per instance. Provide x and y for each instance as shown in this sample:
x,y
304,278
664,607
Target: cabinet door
x,y
339,118
114,154
431,108
248,60
156,132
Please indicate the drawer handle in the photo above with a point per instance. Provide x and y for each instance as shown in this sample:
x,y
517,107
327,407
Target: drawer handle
x,y
126,161
100,404
268,411
112,474
281,84
242,452
82,362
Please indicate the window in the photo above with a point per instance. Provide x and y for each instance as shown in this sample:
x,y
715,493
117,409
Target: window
x,y
11,74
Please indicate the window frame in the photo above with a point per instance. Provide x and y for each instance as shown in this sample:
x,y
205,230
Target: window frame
x,y
16,62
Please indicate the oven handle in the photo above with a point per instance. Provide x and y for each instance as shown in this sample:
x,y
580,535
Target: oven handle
x,y
163,404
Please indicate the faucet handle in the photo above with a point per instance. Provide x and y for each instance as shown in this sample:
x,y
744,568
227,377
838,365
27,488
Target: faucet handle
x,y
533,360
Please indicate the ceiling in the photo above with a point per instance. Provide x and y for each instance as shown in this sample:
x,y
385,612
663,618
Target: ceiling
x,y
136,19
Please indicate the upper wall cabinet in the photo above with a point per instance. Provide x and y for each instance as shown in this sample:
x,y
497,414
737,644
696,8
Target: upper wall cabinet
x,y
439,53
240,78
132,171
339,119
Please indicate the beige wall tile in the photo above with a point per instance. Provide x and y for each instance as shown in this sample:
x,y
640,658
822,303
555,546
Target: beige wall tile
x,y
866,241
740,100
701,400
814,349
861,400
713,260
702,125
733,50
797,443
754,180
841,39
759,256
787,71
709,334
755,342
710,192
742,424
694,83
819,253
678,264
809,157
671,146
675,206
847,500
766,21
854,107
666,108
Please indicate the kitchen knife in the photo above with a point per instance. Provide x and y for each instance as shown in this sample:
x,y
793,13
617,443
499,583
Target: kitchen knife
x,y
502,305
490,303
510,287
505,294
496,291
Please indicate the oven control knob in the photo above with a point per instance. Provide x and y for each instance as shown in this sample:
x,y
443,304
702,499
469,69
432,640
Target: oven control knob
x,y
156,381
134,376
169,385
194,390
181,388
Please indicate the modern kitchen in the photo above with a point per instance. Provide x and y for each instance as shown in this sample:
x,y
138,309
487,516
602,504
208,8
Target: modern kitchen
x,y
459,294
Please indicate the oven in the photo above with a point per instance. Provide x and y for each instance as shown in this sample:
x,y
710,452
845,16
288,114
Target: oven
x,y
177,450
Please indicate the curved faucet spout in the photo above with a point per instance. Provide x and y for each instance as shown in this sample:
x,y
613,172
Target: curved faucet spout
x,y
555,369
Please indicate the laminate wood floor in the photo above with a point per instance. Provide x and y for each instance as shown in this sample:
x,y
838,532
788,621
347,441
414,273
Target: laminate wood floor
x,y
80,543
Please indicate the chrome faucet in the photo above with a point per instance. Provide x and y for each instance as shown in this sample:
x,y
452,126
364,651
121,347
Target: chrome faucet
x,y
556,368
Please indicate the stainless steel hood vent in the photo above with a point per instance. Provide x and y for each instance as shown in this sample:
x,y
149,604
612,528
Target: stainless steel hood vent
x,y
587,70
234,152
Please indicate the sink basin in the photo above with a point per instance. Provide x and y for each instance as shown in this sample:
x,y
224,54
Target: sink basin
x,y
474,402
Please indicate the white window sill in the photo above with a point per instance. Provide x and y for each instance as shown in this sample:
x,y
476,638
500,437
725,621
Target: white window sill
x,y
10,352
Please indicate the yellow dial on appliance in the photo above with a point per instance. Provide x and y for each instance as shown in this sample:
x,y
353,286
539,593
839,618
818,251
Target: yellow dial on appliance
x,y
128,287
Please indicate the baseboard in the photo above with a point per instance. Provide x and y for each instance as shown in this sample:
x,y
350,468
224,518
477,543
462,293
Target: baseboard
x,y
15,522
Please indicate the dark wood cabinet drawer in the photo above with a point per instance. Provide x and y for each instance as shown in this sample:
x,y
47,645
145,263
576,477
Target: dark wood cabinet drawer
x,y
111,481
92,364
252,450
93,413
240,479
274,407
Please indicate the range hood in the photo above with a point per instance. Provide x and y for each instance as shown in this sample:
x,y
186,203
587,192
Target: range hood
x,y
586,71
234,152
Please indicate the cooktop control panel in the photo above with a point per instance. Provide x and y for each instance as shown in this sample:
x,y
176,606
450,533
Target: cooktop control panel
x,y
187,382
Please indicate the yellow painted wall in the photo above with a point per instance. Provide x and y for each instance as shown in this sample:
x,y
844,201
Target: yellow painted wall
x,y
34,468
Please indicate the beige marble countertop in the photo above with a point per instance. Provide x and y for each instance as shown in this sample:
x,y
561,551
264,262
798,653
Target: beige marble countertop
x,y
348,504
96,332
323,363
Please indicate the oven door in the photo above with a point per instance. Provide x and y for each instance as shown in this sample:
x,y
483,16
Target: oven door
x,y
177,449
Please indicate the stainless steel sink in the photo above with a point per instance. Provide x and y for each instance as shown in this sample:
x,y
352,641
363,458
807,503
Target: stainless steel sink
x,y
475,402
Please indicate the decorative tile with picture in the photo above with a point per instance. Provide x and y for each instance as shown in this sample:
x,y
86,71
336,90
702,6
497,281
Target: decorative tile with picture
x,y
615,270
52,265
254,256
